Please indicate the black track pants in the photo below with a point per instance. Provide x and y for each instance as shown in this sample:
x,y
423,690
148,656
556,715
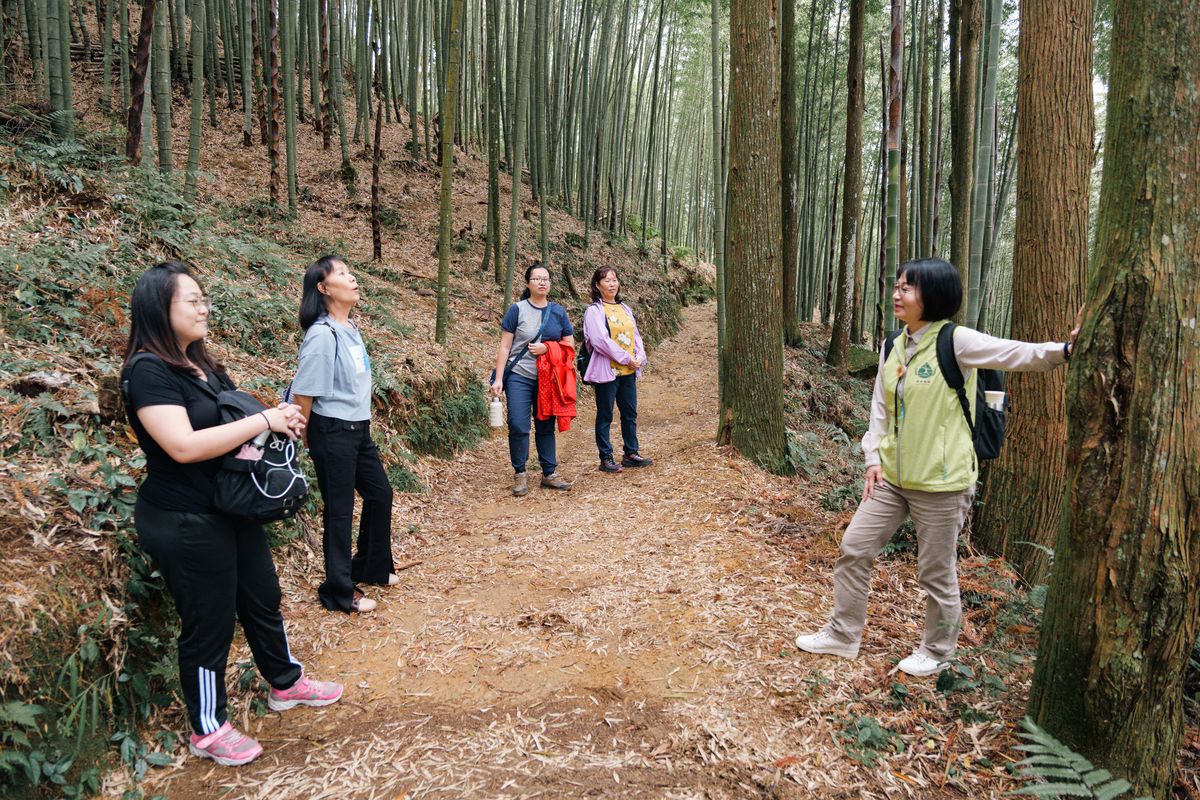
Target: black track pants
x,y
346,461
218,569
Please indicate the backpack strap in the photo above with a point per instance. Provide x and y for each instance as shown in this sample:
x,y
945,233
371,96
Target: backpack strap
x,y
512,361
204,384
287,393
127,370
325,321
890,343
952,373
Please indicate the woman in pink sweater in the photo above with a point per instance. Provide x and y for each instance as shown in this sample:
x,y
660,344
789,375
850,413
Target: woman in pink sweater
x,y
618,355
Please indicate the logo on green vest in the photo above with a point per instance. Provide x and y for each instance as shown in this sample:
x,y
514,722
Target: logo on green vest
x,y
925,372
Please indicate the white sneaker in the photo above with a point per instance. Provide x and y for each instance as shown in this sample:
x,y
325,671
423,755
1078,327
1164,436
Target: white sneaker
x,y
823,642
919,665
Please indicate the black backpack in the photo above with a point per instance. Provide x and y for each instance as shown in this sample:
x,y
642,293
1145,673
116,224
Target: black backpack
x,y
987,428
261,481
585,354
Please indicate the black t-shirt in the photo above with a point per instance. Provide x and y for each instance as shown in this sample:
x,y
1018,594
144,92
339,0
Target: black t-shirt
x,y
170,485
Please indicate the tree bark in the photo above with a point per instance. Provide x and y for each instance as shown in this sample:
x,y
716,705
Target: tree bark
x,y
197,118
753,420
1023,495
376,158
895,72
446,208
162,92
838,355
718,187
1124,602
789,164
962,135
274,98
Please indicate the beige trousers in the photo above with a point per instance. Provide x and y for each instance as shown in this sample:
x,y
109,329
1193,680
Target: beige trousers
x,y
939,517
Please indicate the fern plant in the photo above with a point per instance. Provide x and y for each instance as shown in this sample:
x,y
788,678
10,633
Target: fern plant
x,y
1069,773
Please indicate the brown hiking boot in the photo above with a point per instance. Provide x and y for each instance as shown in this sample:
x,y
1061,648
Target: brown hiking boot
x,y
555,481
520,485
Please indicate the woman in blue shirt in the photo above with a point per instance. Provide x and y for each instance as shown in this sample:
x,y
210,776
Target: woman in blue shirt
x,y
527,326
333,390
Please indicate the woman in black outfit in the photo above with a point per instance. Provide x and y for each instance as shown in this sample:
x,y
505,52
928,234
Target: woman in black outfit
x,y
217,567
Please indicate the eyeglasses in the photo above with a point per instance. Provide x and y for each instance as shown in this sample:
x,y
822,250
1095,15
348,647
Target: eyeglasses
x,y
199,303
903,288
539,280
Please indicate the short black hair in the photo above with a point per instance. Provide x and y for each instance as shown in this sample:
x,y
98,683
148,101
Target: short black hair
x,y
939,284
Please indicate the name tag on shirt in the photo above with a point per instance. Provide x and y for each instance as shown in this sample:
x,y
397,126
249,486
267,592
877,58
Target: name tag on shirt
x,y
358,356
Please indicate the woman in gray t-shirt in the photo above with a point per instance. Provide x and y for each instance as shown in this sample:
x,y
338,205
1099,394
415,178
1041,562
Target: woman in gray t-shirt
x,y
527,326
333,388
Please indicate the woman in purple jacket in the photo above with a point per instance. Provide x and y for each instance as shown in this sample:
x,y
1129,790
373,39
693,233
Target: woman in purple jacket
x,y
618,355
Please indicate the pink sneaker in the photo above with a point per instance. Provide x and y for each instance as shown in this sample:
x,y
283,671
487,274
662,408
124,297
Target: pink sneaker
x,y
305,692
228,747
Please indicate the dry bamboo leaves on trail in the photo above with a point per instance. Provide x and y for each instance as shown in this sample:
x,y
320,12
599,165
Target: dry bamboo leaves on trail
x,y
630,639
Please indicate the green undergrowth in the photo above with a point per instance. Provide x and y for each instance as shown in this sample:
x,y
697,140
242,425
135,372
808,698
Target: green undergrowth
x,y
87,674
983,690
87,665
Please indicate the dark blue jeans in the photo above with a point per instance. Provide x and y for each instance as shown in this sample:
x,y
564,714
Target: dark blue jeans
x,y
624,391
521,395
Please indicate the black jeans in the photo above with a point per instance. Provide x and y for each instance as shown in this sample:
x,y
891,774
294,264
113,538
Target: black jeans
x,y
624,391
217,569
346,460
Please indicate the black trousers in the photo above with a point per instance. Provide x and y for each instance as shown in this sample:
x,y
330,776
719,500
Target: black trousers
x,y
217,569
346,461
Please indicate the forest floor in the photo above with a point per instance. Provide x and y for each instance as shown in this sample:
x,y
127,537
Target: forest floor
x,y
632,638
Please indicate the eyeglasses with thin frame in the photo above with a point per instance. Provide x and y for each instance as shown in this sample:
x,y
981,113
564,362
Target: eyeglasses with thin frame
x,y
903,288
198,303
539,280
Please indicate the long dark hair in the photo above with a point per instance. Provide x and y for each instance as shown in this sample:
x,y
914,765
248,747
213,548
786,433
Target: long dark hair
x,y
600,274
528,274
312,302
940,286
150,320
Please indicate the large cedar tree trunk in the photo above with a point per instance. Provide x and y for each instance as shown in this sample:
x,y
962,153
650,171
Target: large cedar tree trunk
x,y
753,418
1023,496
1124,603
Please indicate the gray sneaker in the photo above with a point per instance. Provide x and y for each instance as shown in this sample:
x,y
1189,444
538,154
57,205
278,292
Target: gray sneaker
x,y
555,481
520,485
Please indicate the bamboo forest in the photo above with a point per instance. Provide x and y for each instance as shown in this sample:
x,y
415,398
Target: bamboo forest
x,y
891,306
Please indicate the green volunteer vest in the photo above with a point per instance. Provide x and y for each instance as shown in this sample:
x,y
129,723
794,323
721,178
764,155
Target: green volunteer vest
x,y
927,445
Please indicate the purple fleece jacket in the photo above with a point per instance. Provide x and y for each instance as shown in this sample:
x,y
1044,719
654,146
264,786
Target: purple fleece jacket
x,y
604,349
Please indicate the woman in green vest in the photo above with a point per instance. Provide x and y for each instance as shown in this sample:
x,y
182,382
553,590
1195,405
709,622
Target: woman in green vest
x,y
921,462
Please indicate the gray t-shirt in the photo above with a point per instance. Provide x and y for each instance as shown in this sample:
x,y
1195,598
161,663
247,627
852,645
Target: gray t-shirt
x,y
335,371
523,320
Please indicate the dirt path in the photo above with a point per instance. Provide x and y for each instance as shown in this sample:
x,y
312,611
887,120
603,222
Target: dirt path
x,y
629,639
